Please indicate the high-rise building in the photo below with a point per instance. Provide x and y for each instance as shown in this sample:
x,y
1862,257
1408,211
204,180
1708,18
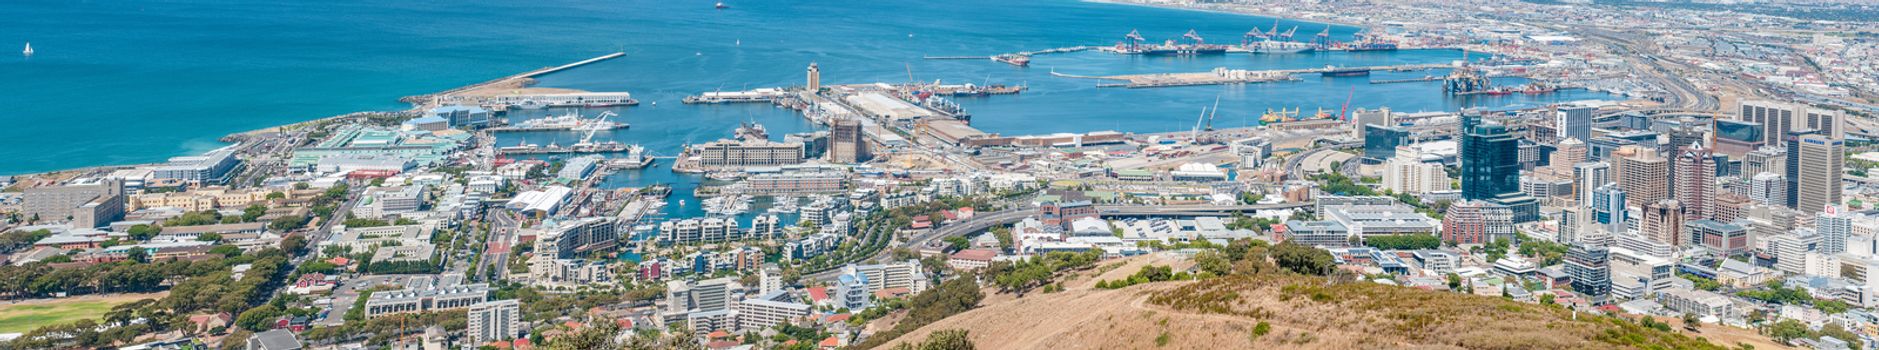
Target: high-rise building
x,y
1815,165
1410,175
1587,177
1695,181
494,320
1380,142
1737,138
1834,227
815,77
1723,237
846,145
1643,174
1779,119
1489,162
1590,268
1791,249
1772,158
1477,222
1663,223
1609,208
1683,135
1729,207
1574,122
1568,153
1769,188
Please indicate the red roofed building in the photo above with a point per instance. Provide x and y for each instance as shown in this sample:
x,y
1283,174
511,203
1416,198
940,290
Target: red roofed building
x,y
921,222
971,259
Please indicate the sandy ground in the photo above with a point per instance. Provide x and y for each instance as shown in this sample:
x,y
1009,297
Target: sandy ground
x,y
120,298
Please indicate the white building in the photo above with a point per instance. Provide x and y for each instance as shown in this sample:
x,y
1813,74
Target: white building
x,y
494,320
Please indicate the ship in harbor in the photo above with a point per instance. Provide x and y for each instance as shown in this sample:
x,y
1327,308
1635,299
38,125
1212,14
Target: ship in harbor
x,y
635,158
572,122
1330,71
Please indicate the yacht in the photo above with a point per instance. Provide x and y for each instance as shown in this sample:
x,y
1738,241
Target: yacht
x,y
29,49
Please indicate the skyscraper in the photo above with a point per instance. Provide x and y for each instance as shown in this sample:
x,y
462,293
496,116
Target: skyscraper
x,y
846,143
1695,181
1489,162
1834,226
1380,142
1587,177
1574,122
1769,188
1779,119
1643,173
1663,223
1590,268
1815,163
815,77
1609,208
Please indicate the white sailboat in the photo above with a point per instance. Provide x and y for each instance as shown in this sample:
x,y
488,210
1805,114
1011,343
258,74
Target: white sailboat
x,y
29,49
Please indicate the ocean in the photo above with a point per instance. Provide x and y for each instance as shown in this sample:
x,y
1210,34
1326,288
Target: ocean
x,y
120,82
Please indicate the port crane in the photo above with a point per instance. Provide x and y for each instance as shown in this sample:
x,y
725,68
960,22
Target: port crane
x,y
1213,111
1134,39
1253,36
1287,35
1324,37
595,127
1192,35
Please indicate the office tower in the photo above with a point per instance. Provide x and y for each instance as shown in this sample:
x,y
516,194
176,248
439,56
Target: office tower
x,y
1380,142
494,320
1772,158
1721,236
1695,181
1779,119
1489,162
1574,122
1587,177
1568,153
1683,135
1663,223
1590,268
1814,169
846,145
1379,116
1769,188
1834,227
1573,221
1477,222
1728,207
815,77
1608,208
1643,173
1791,249
1737,138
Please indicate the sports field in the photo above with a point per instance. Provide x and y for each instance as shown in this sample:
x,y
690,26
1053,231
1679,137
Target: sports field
x,y
19,317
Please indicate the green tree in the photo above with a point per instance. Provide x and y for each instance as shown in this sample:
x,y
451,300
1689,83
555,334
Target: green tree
x,y
257,318
1787,330
1303,259
143,232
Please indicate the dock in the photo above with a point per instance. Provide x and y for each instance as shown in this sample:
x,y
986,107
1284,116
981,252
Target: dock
x,y
554,149
1224,76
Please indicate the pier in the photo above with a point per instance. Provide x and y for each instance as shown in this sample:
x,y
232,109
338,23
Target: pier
x,y
1224,76
554,149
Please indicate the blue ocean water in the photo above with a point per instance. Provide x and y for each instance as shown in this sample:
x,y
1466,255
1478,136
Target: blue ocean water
x,y
119,82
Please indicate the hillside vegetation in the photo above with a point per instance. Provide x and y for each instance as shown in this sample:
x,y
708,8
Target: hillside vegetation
x,y
1257,305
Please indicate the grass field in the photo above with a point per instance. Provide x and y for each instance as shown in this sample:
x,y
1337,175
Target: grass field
x,y
25,316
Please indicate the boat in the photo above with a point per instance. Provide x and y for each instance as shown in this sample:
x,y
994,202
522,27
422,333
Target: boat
x,y
572,122
1015,60
783,204
1278,47
29,49
1331,71
530,104
636,158
722,6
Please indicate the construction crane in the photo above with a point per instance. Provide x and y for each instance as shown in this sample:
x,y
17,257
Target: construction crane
x,y
1341,112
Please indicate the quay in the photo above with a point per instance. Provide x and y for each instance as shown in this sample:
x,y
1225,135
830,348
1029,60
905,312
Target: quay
x,y
608,147
1223,76
550,128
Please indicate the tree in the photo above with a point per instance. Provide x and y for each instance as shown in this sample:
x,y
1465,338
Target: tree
x,y
1303,259
1787,330
138,255
253,212
1835,330
257,318
276,195
951,339
288,223
1454,281
143,232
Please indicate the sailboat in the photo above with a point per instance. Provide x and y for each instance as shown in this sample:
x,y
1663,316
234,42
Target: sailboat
x,y
29,49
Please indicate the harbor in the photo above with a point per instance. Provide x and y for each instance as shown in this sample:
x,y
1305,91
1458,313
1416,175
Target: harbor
x,y
1222,75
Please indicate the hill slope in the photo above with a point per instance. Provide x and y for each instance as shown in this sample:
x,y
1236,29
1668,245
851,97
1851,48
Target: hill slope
x,y
1299,312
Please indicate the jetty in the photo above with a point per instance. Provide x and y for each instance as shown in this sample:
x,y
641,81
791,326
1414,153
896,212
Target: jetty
x,y
1224,76
516,80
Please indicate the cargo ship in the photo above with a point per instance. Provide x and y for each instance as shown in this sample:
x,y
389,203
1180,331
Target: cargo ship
x,y
1134,45
1346,71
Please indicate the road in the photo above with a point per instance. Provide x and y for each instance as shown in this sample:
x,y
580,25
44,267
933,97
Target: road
x,y
979,222
502,228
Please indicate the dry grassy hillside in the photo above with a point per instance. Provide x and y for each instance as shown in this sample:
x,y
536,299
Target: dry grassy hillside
x,y
1298,312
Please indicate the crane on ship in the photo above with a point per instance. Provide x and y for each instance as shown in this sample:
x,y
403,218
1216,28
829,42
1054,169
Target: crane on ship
x,y
1287,36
